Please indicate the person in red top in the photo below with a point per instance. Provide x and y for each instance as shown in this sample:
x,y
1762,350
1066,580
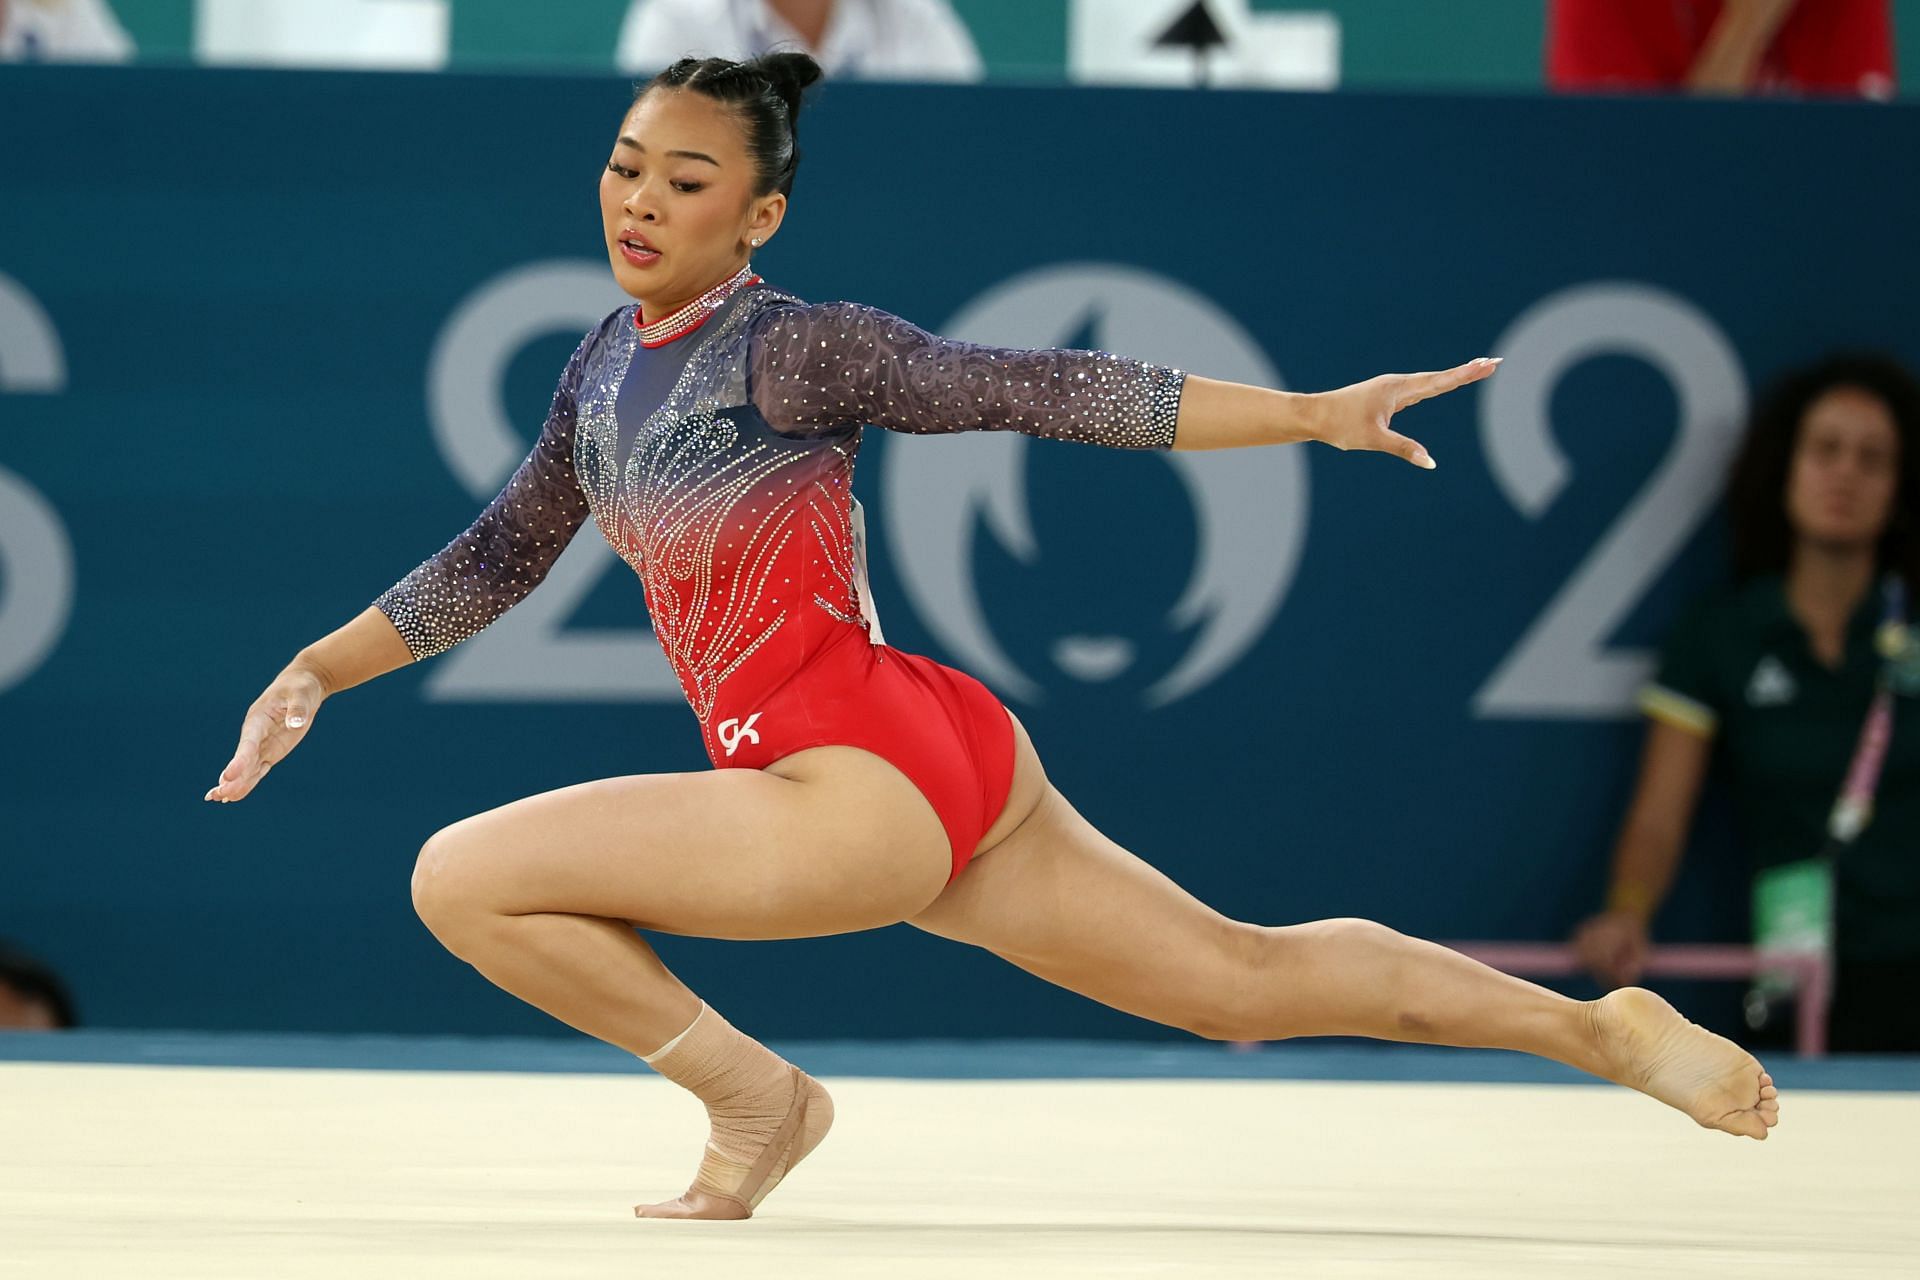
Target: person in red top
x,y
1835,47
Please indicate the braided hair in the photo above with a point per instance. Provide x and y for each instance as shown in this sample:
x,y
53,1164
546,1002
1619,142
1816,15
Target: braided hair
x,y
764,93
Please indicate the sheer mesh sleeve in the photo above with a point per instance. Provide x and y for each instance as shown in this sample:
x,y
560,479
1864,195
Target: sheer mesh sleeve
x,y
838,364
508,550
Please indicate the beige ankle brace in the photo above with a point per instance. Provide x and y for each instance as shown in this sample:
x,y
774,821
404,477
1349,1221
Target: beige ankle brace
x,y
665,1049
753,1097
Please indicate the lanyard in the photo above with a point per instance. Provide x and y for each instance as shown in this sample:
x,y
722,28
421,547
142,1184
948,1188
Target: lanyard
x,y
1853,807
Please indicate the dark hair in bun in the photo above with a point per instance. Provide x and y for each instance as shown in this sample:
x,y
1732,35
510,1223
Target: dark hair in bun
x,y
765,92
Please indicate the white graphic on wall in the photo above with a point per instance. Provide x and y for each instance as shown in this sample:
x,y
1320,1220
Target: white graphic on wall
x,y
1185,42
1562,666
1251,504
528,654
36,556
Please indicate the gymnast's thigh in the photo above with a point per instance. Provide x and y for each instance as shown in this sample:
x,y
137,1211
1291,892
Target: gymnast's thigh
x,y
842,842
1062,901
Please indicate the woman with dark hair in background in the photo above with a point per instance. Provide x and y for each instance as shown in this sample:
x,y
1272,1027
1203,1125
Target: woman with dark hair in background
x,y
1782,671
711,433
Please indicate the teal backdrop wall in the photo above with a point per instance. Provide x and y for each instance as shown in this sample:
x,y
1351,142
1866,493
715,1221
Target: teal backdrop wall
x,y
267,339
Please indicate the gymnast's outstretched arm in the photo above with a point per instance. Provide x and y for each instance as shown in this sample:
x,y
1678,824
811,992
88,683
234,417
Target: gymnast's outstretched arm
x,y
1229,415
502,556
832,365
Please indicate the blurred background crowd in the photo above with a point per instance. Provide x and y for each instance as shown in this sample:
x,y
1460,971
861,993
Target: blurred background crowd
x,y
1837,47
1779,717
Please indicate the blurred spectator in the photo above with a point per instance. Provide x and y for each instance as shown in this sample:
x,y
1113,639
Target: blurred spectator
x,y
32,997
1772,681
1841,47
61,31
870,39
368,34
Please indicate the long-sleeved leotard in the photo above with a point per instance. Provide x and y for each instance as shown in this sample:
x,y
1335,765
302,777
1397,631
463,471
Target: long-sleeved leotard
x,y
719,465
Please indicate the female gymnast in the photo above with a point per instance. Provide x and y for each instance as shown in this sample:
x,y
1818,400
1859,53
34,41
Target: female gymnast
x,y
710,432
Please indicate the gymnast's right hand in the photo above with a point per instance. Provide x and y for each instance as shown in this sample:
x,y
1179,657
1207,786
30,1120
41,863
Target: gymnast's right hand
x,y
274,726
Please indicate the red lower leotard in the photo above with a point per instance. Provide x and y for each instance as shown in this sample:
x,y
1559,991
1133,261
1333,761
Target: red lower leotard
x,y
941,727
715,452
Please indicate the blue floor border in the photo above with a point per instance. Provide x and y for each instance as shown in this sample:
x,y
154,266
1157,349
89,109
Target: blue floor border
x,y
910,1059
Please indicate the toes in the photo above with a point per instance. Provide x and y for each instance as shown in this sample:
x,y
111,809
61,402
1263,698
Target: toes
x,y
653,1210
695,1204
678,1208
1746,1124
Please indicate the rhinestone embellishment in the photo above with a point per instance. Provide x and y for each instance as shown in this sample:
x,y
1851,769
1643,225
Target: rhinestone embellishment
x,y
695,313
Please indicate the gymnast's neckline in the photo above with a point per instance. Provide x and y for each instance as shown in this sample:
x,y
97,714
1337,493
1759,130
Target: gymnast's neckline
x,y
685,320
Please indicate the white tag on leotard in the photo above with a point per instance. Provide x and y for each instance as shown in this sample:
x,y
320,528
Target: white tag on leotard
x,y
867,610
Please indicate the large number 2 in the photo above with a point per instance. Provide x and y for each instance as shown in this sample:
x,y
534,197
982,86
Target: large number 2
x,y
36,558
1562,667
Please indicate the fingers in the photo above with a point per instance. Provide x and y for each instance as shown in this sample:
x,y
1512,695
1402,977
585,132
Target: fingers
x,y
1412,388
1635,961
266,736
240,788
255,732
1401,447
1614,961
1425,386
1623,960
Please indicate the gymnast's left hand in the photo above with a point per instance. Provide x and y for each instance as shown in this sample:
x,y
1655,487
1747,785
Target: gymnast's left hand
x,y
275,724
1361,416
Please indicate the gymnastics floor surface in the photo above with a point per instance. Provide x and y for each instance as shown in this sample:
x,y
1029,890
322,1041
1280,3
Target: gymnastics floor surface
x,y
211,1157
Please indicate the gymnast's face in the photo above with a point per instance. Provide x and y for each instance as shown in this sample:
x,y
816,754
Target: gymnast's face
x,y
677,201
1845,473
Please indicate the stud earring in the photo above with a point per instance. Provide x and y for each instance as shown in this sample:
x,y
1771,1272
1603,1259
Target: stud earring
x,y
756,242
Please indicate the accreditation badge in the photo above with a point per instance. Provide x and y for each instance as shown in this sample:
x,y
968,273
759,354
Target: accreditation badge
x,y
1899,650
1792,916
1793,908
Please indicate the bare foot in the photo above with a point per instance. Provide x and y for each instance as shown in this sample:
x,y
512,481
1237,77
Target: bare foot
x,y
1648,1046
725,1189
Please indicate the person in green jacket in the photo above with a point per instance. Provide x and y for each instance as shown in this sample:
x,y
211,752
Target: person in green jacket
x,y
1770,682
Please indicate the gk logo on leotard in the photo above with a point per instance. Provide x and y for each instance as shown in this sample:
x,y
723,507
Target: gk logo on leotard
x,y
730,732
1250,507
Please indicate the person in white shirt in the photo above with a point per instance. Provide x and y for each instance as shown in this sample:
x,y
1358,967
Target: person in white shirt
x,y
61,31
865,39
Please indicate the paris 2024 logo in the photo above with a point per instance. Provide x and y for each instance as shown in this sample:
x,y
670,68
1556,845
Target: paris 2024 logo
x,y
1249,505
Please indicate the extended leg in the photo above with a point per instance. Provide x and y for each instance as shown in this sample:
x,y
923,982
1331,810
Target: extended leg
x,y
1062,901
